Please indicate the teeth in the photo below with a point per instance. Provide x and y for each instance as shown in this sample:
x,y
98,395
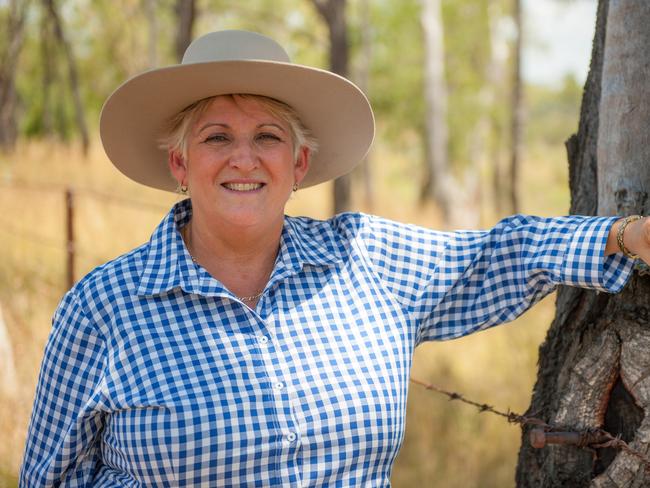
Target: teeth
x,y
243,186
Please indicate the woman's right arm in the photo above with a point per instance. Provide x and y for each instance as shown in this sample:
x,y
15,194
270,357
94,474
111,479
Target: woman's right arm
x,y
61,444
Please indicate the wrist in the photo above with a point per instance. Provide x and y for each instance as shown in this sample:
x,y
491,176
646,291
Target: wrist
x,y
627,235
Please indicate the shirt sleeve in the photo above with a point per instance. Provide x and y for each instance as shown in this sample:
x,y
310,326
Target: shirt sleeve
x,y
456,283
61,448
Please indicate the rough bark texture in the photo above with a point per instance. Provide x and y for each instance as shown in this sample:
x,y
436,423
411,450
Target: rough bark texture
x,y
594,366
437,184
624,138
333,13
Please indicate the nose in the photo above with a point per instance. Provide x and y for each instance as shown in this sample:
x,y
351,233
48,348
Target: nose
x,y
244,156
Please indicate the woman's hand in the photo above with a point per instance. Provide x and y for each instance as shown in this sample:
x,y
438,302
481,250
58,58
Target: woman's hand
x,y
636,238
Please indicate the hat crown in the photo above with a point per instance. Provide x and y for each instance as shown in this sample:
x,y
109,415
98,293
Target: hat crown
x,y
234,45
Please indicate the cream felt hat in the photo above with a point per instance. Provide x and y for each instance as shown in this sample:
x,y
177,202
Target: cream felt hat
x,y
333,108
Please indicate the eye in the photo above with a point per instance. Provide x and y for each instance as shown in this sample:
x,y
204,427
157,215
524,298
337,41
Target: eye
x,y
216,138
268,137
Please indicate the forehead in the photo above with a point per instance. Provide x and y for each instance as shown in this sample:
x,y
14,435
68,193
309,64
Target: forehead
x,y
238,110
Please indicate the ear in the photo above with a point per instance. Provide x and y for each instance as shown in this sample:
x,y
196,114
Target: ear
x,y
303,162
177,166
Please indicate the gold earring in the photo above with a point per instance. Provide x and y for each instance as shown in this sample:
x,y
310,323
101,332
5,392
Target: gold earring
x,y
295,187
182,189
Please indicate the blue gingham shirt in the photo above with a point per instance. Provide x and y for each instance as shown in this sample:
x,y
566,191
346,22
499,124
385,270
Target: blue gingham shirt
x,y
156,375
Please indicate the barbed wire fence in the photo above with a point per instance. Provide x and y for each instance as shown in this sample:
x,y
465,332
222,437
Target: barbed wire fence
x,y
545,433
69,246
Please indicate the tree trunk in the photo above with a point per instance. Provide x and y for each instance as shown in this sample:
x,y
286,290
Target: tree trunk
x,y
517,111
333,13
437,184
8,382
8,61
152,32
72,73
594,365
48,64
185,15
362,79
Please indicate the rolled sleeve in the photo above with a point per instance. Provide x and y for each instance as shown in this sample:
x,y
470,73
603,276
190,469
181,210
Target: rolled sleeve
x,y
585,263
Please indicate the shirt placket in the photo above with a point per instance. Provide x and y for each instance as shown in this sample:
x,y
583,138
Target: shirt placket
x,y
289,441
277,363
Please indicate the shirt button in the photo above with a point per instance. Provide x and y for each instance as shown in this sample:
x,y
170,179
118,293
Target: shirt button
x,y
264,339
291,436
279,385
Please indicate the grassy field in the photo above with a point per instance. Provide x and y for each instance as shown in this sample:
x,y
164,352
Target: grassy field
x,y
446,444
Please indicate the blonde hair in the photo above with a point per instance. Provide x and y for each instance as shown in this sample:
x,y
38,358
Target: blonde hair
x,y
175,136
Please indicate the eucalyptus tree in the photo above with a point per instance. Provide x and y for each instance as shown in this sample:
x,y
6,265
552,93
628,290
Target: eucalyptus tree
x,y
594,367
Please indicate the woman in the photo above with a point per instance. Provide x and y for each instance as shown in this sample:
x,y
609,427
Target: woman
x,y
241,347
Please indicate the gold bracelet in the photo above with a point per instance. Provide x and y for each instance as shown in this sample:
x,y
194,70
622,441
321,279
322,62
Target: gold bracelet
x,y
621,231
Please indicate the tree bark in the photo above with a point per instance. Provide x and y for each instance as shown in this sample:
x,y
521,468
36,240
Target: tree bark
x,y
594,365
517,110
8,61
333,13
437,184
185,16
72,73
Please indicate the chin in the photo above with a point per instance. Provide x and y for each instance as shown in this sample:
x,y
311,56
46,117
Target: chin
x,y
250,219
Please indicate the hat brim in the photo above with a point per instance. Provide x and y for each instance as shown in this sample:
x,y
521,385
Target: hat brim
x,y
134,117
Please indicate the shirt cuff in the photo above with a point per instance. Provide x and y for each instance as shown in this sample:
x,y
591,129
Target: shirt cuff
x,y
585,262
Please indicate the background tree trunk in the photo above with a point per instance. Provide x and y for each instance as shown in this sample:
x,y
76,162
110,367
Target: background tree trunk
x,y
362,80
48,64
517,110
437,184
594,365
8,382
73,79
185,15
152,31
333,13
8,61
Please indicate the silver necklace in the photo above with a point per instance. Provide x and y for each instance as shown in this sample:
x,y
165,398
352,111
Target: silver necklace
x,y
184,233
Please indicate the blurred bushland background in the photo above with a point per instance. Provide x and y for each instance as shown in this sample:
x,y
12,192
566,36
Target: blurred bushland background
x,y
463,139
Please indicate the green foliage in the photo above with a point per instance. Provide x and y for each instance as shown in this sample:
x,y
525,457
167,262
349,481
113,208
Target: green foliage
x,y
553,112
110,40
467,38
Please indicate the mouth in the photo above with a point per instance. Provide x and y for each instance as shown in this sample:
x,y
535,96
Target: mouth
x,y
242,187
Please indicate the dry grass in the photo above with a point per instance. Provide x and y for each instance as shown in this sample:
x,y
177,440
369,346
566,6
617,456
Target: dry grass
x,y
446,444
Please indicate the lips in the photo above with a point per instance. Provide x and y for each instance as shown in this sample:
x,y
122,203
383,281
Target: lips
x,y
243,187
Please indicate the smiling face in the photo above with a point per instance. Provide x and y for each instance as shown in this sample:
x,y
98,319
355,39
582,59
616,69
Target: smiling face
x,y
241,165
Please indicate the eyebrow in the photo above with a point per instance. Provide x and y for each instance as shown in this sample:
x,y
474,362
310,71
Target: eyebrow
x,y
226,126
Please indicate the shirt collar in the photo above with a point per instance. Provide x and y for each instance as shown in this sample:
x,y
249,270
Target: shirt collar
x,y
168,264
305,243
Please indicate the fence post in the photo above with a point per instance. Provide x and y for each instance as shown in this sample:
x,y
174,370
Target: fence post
x,y
70,245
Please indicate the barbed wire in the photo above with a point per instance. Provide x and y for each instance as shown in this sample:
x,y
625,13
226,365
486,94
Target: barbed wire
x,y
586,438
36,239
8,228
18,184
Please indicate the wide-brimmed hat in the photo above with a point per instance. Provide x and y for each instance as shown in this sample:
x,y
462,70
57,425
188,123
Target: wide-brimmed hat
x,y
135,115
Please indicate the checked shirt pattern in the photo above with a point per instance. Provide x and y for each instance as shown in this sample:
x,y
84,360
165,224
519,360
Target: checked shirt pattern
x,y
154,374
